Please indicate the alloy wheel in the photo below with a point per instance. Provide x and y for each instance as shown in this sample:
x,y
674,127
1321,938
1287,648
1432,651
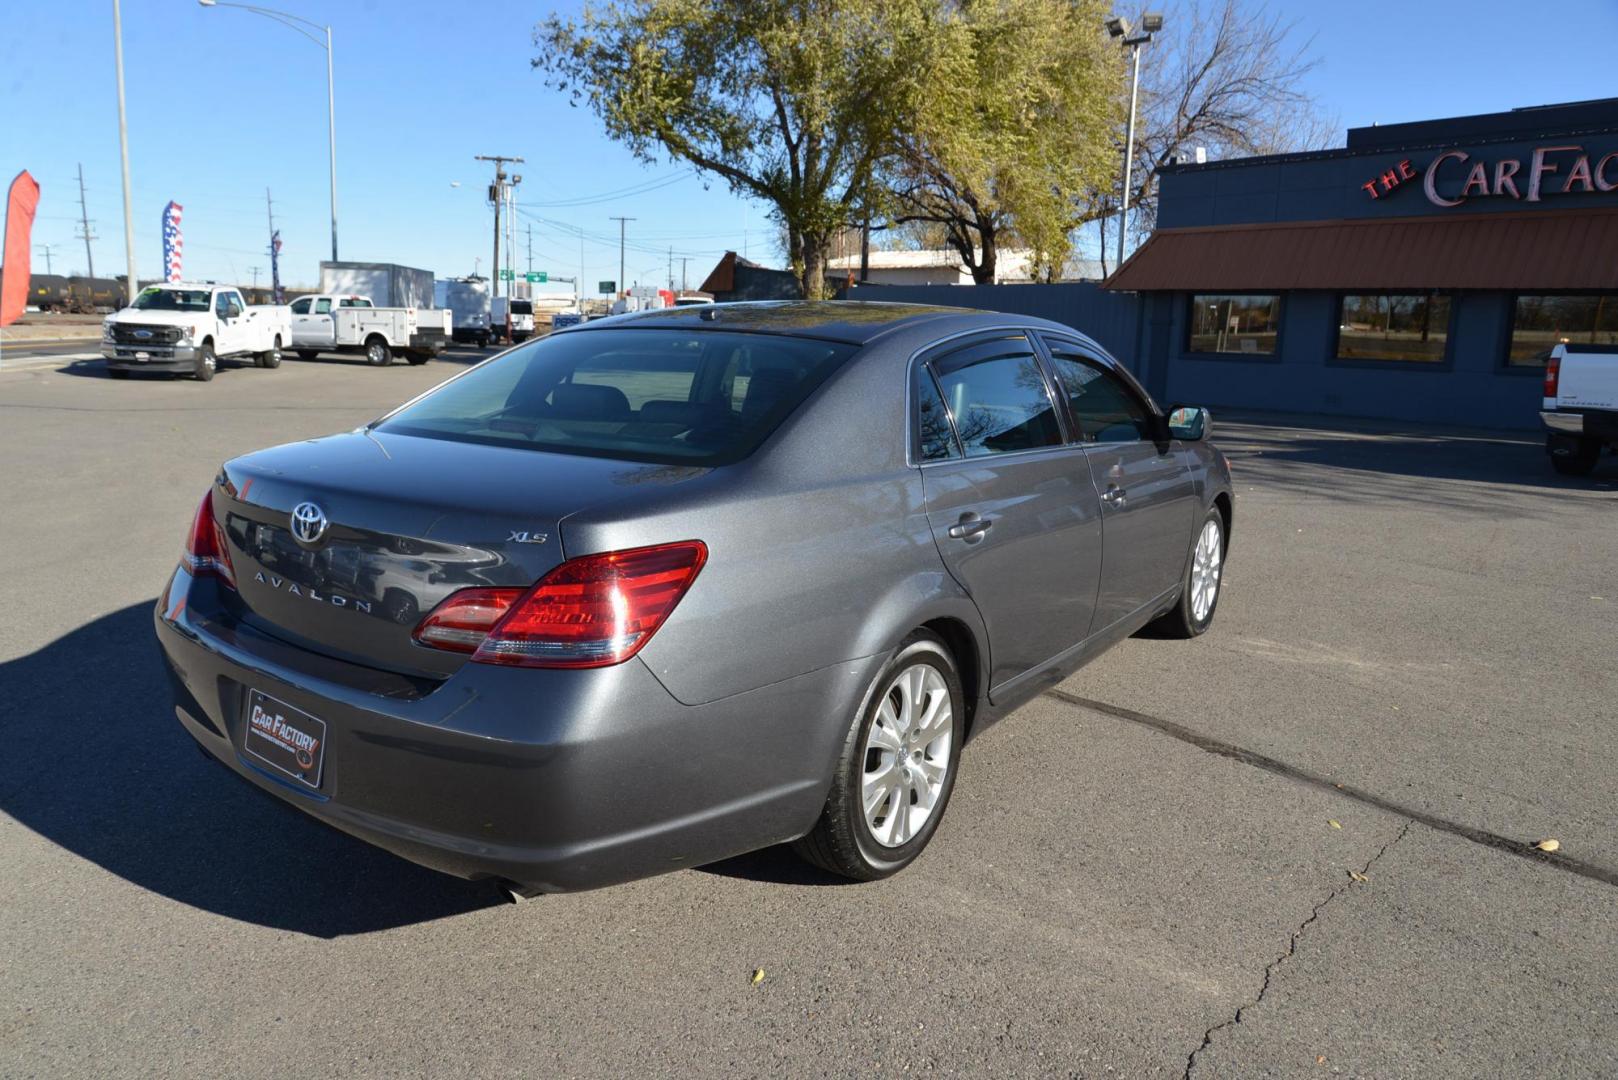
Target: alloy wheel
x,y
1205,567
907,755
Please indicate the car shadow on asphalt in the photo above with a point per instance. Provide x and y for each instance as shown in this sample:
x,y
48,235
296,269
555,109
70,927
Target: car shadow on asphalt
x,y
773,866
96,763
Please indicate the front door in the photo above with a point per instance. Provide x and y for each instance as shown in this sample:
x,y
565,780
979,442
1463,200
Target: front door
x,y
1147,495
230,318
1011,504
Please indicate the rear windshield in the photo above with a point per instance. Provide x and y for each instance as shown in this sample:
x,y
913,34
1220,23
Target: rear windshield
x,y
521,307
663,396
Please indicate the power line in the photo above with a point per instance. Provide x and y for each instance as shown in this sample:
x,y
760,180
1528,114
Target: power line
x,y
621,193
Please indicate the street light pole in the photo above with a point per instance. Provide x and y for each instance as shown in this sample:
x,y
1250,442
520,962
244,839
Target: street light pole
x,y
1150,24
131,285
291,22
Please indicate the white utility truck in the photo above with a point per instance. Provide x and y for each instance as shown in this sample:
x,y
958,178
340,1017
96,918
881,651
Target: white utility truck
x,y
327,322
187,328
1580,408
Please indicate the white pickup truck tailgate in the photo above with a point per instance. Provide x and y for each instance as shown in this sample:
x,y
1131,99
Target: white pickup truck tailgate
x,y
1585,380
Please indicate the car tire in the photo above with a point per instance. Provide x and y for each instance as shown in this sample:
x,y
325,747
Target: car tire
x,y
1582,462
207,362
1204,578
377,353
307,354
117,373
270,358
417,359
894,766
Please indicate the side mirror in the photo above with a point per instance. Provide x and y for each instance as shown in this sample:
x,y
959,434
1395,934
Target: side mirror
x,y
1189,423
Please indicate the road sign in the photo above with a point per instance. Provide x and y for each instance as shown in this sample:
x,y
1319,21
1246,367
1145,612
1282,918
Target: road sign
x,y
508,275
606,286
541,277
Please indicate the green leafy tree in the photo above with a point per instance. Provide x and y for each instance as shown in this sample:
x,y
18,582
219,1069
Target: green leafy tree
x,y
790,101
1015,120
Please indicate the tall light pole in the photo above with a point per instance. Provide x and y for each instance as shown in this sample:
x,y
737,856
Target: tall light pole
x,y
292,22
621,222
131,286
1150,24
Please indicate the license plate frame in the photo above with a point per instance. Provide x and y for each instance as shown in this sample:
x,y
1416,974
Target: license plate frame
x,y
285,737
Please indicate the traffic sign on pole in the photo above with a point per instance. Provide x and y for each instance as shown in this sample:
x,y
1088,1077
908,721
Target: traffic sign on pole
x,y
537,276
507,275
606,286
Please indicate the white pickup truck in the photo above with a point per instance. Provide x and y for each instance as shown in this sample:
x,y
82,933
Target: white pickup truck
x,y
1581,406
187,329
331,322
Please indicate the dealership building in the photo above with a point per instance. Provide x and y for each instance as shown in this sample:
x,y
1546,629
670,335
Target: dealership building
x,y
1420,273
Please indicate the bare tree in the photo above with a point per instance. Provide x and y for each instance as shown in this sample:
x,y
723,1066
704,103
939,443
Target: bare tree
x,y
1223,75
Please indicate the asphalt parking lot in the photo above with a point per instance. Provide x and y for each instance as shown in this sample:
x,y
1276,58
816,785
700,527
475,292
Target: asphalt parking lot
x,y
1299,846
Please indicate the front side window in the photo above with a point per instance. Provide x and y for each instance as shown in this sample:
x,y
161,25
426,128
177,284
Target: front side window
x,y
1411,326
1234,324
997,397
1099,402
1542,322
301,307
653,395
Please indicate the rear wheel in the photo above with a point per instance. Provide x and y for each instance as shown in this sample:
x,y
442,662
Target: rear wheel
x,y
1586,454
207,362
307,354
897,768
271,357
377,353
418,358
1199,592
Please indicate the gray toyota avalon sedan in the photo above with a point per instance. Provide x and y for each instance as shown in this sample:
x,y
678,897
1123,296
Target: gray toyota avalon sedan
x,y
670,587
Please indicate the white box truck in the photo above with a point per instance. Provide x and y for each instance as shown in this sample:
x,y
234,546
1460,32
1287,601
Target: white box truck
x,y
467,300
388,284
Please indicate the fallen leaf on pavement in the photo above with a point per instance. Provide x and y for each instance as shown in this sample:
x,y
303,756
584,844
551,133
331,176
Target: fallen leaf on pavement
x,y
1334,823
1357,876
1548,845
758,976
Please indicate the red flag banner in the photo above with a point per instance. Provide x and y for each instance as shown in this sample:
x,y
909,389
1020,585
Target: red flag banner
x,y
15,272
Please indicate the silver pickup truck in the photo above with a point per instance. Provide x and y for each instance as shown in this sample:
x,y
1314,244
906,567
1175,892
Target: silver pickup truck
x,y
1580,409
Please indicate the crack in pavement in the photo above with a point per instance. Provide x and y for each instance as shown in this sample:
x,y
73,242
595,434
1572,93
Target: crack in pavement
x,y
1220,748
1292,947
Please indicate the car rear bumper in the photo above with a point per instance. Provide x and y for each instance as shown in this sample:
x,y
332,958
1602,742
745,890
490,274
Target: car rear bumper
x,y
1595,423
157,357
556,780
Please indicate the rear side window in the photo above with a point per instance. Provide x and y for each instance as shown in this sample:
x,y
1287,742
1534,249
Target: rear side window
x,y
654,395
1099,402
997,398
322,307
935,438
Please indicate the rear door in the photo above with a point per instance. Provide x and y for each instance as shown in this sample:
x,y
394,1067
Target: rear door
x,y
1011,504
1147,495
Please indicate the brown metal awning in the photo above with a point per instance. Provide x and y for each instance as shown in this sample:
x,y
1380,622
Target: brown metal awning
x,y
1544,250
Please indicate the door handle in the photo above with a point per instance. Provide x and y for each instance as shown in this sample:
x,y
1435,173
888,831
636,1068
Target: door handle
x,y
1114,495
970,528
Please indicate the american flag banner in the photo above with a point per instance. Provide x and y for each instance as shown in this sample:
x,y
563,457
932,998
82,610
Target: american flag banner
x,y
275,266
173,243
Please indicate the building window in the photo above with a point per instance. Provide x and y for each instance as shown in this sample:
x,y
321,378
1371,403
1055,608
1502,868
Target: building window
x,y
1234,324
1542,322
1411,326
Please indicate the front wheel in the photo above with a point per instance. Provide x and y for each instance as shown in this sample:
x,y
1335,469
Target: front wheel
x,y
207,362
897,767
271,357
1199,592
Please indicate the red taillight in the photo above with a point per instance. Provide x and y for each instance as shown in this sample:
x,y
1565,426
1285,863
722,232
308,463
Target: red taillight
x,y
1553,375
591,611
205,550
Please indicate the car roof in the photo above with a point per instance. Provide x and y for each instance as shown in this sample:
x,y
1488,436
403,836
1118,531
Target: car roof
x,y
854,321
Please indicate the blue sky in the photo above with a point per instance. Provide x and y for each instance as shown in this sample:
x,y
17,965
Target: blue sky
x,y
223,104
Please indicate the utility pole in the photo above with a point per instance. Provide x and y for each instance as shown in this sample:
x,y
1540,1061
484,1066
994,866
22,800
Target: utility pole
x,y
84,225
683,261
497,195
620,221
47,248
254,270
123,148
671,268
530,247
